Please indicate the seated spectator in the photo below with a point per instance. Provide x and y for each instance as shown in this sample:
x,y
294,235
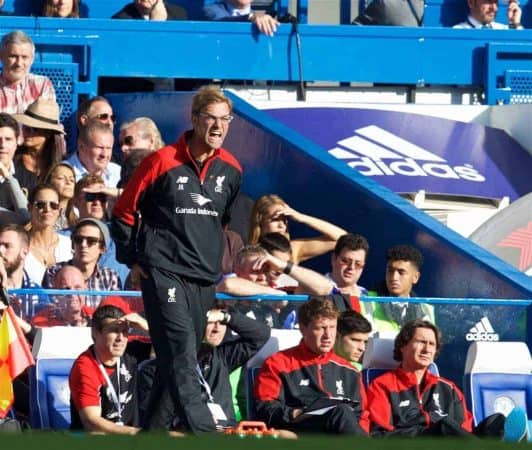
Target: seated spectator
x,y
295,381
67,310
43,137
406,13
103,380
13,202
95,147
402,273
270,214
151,10
347,264
411,401
47,247
90,238
218,358
63,178
139,133
18,87
14,247
61,8
352,337
241,11
278,245
482,15
95,110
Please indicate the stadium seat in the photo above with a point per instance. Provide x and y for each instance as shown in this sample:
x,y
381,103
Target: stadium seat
x,y
55,350
50,393
378,359
498,378
279,340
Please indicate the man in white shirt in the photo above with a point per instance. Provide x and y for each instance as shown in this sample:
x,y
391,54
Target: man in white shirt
x,y
482,15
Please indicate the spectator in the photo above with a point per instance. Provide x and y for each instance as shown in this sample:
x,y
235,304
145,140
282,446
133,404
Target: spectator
x,y
90,238
13,202
352,337
61,8
270,214
95,110
406,13
411,401
18,87
14,247
43,137
103,379
292,382
402,273
241,11
482,15
141,132
151,10
95,147
47,247
63,178
67,310
218,358
347,264
178,251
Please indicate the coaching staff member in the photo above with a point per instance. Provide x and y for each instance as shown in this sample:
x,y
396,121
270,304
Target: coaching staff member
x,y
183,193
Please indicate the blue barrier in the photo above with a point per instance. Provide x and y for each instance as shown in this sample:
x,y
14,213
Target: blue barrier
x,y
414,56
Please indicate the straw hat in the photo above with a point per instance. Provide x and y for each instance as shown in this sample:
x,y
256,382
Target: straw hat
x,y
43,114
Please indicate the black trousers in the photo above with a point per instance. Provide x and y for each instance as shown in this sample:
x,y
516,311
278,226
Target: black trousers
x,y
176,310
340,420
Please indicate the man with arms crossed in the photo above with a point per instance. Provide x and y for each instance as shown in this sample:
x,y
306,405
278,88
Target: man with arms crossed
x,y
184,193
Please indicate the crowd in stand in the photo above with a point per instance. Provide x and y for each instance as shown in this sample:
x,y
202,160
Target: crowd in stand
x,y
83,221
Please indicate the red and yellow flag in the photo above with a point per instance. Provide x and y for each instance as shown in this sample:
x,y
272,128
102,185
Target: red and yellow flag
x,y
15,357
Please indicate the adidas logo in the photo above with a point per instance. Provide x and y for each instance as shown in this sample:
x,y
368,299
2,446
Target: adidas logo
x,y
370,150
482,331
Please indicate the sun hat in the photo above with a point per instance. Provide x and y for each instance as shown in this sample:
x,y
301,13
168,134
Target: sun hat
x,y
43,114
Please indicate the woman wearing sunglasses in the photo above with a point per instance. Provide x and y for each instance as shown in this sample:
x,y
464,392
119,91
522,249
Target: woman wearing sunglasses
x,y
47,247
270,214
63,178
43,132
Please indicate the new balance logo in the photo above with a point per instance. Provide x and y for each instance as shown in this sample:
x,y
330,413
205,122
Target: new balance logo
x,y
482,331
181,180
304,382
200,199
371,148
404,403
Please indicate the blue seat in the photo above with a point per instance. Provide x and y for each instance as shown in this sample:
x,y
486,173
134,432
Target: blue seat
x,y
498,378
50,393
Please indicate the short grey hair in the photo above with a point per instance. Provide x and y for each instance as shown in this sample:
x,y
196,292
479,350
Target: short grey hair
x,y
16,37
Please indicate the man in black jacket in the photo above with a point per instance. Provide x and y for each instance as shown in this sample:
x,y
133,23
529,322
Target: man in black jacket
x,y
184,193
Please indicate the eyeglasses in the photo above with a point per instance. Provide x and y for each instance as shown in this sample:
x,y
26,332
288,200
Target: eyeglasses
x,y
95,196
359,265
91,241
128,140
104,117
41,205
210,119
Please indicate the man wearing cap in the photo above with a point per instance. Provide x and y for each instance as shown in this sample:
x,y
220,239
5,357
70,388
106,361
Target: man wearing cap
x,y
103,380
18,87
184,193
90,237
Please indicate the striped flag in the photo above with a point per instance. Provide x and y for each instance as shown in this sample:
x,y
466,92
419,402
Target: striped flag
x,y
15,356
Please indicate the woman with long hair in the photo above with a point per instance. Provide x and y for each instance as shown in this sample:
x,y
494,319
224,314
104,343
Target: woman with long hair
x,y
61,8
47,247
270,214
43,137
63,178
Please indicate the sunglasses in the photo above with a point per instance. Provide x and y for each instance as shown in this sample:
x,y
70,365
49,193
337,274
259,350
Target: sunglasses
x,y
105,117
91,241
92,197
41,205
128,140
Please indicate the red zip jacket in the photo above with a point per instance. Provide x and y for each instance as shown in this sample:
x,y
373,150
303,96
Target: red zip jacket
x,y
296,377
400,406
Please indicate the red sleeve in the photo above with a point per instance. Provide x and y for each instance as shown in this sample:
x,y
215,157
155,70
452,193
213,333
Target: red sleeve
x,y
467,423
268,384
85,383
380,410
364,421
